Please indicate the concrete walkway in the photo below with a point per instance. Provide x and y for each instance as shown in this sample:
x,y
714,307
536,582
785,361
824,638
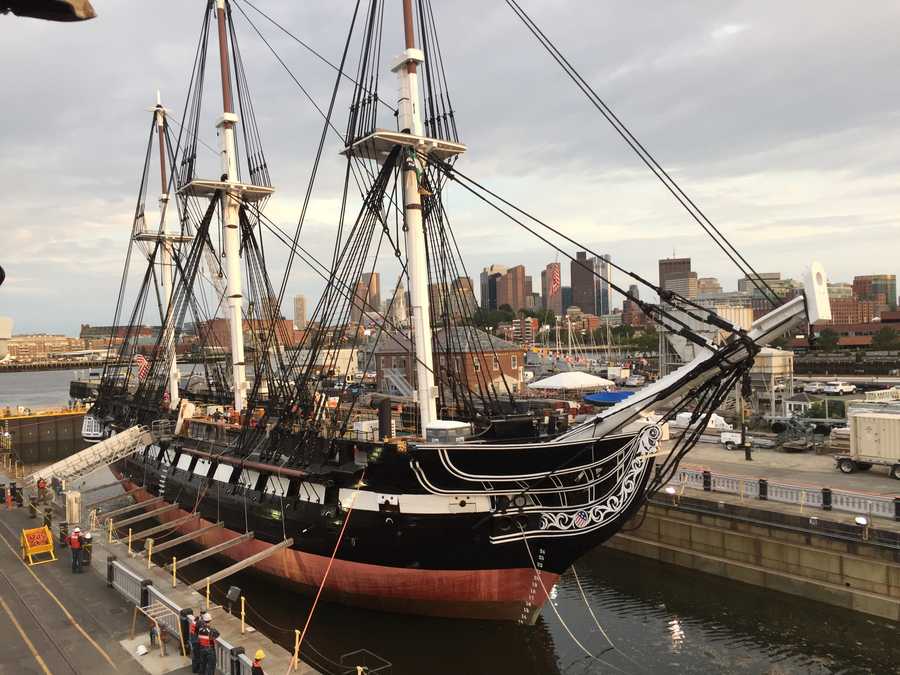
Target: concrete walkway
x,y
797,468
52,621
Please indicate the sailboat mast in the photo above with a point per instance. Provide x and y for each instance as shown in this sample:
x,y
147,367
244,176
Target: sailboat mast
x,y
231,216
410,120
167,271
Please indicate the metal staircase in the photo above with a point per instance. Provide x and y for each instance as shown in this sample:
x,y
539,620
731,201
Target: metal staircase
x,y
92,458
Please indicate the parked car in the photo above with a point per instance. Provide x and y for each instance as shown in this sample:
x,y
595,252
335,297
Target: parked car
x,y
838,388
635,381
814,387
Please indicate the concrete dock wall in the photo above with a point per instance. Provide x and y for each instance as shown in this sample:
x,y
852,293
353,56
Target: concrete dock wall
x,y
854,574
45,438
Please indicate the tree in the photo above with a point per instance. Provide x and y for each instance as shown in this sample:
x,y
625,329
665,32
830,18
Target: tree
x,y
647,341
836,409
827,340
886,338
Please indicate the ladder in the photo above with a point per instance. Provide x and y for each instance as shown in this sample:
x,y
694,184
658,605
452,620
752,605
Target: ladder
x,y
92,458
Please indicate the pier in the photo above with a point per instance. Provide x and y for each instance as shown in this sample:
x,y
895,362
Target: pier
x,y
55,621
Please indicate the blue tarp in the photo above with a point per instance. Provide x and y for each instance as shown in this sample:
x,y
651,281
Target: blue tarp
x,y
607,397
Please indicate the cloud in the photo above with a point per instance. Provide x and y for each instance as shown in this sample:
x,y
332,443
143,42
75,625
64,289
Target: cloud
x,y
775,119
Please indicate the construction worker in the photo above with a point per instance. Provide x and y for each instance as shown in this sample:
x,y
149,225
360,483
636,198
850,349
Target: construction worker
x,y
206,645
76,544
42,489
193,624
257,668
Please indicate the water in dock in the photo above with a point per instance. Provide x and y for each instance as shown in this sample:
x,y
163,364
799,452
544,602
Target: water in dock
x,y
662,619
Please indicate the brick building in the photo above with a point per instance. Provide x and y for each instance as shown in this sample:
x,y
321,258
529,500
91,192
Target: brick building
x,y
472,356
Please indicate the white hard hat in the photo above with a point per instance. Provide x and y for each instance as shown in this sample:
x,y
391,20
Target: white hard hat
x,y
77,529
206,616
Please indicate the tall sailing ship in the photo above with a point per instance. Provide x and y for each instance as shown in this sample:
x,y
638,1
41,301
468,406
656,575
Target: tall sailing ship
x,y
479,507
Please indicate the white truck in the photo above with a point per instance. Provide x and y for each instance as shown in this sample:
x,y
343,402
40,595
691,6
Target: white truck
x,y
874,439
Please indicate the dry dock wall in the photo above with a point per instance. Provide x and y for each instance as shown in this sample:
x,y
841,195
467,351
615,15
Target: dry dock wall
x,y
783,556
45,438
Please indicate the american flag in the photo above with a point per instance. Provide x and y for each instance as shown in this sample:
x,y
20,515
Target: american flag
x,y
554,279
143,366
581,519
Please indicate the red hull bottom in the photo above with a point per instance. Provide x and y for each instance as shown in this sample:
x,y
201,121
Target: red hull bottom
x,y
500,594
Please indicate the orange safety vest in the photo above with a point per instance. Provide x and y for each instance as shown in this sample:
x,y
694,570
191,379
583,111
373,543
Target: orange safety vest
x,y
74,541
42,484
204,637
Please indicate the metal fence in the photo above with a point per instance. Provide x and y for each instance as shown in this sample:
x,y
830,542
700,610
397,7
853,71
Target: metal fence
x,y
126,582
170,621
804,496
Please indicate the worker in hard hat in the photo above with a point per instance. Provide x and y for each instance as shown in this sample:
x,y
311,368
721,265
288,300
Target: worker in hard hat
x,y
257,668
76,546
206,645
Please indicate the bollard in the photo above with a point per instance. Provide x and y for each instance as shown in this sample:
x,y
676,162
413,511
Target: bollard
x,y
145,594
242,614
707,481
109,528
110,570
295,660
826,499
763,489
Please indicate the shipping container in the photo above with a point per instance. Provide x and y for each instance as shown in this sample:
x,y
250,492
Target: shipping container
x,y
875,435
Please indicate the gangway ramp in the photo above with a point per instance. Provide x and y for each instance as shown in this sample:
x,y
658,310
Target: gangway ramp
x,y
96,456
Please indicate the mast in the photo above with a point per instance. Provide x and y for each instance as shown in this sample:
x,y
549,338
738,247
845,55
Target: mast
x,y
167,271
410,120
231,217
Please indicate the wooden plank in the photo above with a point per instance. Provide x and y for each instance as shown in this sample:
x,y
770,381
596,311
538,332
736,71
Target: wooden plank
x,y
100,487
166,545
241,564
143,534
212,550
113,498
143,516
128,509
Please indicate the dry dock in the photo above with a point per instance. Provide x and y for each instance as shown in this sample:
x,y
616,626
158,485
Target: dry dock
x,y
54,621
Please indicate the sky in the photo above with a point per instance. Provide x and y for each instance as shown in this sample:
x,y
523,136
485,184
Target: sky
x,y
781,120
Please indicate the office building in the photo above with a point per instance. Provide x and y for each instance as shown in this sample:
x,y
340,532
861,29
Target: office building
x,y
584,293
489,278
876,288
300,312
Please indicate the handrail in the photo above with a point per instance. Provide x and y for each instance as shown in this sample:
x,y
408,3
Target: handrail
x,y
802,494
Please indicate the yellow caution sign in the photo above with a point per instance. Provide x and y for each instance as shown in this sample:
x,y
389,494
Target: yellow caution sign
x,y
35,542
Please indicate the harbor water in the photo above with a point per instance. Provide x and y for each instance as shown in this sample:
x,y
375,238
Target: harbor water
x,y
658,618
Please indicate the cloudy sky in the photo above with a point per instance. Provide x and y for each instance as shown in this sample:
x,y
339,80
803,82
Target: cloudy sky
x,y
782,120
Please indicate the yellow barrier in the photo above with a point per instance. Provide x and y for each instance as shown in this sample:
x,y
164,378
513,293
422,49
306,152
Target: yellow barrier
x,y
37,541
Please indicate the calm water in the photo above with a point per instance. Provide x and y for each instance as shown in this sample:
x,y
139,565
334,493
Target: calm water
x,y
661,619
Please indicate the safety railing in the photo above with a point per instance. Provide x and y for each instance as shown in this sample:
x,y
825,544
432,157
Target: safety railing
x,y
245,665
126,582
805,496
170,621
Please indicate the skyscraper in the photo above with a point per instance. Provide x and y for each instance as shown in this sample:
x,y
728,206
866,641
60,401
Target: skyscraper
x,y
601,284
489,277
673,267
511,288
366,297
300,312
584,293
551,288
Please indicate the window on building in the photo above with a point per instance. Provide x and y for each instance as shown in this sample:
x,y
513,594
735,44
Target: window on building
x,y
476,364
514,361
496,363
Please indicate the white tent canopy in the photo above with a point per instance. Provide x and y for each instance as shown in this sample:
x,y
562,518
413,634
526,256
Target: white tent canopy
x,y
572,379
